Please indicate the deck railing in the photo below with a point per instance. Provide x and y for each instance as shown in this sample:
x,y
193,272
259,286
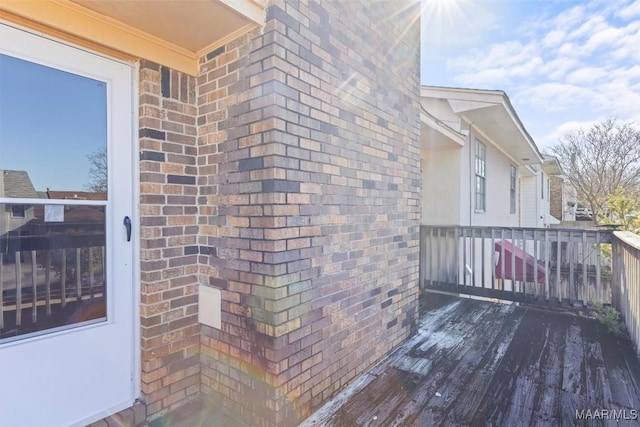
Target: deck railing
x,y
521,264
626,267
44,288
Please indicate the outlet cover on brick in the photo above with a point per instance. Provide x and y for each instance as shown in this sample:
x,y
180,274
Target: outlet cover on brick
x,y
210,307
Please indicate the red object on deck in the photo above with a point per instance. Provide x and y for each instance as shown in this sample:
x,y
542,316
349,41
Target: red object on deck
x,y
530,264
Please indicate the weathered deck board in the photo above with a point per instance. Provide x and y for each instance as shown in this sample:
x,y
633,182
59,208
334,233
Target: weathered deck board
x,y
479,363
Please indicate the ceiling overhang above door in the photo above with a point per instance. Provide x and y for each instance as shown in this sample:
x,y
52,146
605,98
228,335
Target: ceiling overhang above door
x,y
174,33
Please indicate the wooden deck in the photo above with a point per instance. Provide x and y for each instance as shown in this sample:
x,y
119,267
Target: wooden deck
x,y
481,363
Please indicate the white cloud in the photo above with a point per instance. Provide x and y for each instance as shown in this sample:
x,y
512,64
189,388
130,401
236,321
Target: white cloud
x,y
558,96
607,37
592,25
585,75
620,97
629,44
557,68
553,38
570,17
550,139
631,11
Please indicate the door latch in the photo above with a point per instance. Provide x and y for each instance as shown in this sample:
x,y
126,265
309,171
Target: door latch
x,y
127,225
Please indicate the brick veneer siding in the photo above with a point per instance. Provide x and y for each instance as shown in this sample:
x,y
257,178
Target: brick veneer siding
x,y
557,198
169,238
309,183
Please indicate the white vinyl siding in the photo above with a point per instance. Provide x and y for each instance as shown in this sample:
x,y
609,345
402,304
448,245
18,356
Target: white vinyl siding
x,y
512,189
481,177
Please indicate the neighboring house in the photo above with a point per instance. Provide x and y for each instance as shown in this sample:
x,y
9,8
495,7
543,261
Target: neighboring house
x,y
480,165
75,195
564,199
550,168
263,210
15,184
536,194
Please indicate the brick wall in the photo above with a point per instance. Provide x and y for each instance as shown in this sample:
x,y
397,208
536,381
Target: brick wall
x,y
557,199
309,180
169,238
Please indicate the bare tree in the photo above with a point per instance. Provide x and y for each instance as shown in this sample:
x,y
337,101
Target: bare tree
x,y
98,171
600,161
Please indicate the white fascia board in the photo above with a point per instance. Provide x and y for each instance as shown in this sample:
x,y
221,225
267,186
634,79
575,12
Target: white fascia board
x,y
442,128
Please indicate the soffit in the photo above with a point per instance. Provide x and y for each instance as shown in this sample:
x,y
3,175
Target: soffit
x,y
490,114
551,166
497,124
174,33
192,25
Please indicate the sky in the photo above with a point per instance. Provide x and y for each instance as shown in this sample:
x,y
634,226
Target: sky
x,y
565,64
50,121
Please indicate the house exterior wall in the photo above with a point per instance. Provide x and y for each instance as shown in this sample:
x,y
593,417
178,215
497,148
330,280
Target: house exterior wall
x,y
286,175
497,187
545,198
563,199
448,182
536,194
530,201
315,213
441,195
168,237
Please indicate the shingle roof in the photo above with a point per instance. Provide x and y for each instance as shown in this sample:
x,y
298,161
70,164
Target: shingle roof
x,y
17,184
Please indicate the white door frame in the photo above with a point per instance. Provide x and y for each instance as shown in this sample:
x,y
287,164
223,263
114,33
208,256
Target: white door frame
x,y
133,158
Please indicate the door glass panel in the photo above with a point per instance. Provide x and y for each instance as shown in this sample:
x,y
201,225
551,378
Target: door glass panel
x,y
53,131
53,146
52,266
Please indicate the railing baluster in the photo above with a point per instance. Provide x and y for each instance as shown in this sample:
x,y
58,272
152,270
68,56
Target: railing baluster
x,y
438,250
63,278
34,288
464,258
430,255
473,257
78,275
104,272
558,263
513,261
535,263
524,263
547,249
18,268
92,271
483,258
493,260
456,244
599,293
47,282
1,290
446,254
571,257
421,267
502,260
585,282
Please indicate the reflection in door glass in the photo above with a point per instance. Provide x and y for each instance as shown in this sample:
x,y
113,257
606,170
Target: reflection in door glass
x,y
53,133
52,267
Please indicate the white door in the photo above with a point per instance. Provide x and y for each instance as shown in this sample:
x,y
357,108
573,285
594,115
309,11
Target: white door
x,y
67,345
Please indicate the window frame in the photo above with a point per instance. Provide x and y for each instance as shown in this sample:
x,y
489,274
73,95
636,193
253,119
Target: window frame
x,y
17,213
480,181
